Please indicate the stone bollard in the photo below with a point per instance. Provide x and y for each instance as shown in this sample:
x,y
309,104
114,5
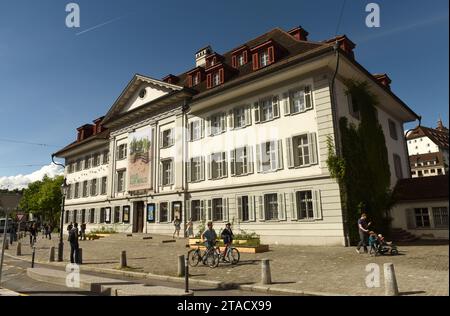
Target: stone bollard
x,y
390,281
123,260
181,266
52,255
79,257
19,249
266,277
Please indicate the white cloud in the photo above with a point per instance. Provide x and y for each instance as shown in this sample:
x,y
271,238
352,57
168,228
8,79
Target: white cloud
x,y
21,181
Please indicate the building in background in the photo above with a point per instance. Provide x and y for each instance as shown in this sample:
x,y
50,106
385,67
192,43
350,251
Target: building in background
x,y
241,137
428,151
421,209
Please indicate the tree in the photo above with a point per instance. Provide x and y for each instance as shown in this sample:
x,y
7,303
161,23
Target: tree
x,y
43,199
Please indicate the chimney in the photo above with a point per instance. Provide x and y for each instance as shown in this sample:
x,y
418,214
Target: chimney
x,y
171,79
384,80
299,33
200,56
345,44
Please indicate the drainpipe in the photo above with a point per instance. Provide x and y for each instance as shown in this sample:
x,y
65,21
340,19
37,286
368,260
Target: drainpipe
x,y
185,110
337,143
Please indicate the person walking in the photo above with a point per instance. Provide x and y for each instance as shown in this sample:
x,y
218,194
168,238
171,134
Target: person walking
x,y
190,229
83,231
48,232
69,227
74,246
363,228
177,224
33,234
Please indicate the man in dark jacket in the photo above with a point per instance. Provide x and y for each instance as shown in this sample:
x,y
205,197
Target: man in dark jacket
x,y
74,246
227,236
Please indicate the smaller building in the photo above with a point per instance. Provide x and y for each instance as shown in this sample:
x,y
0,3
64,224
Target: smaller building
x,y
422,207
428,151
9,201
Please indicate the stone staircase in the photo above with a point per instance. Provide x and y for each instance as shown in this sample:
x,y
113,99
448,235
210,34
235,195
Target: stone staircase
x,y
401,235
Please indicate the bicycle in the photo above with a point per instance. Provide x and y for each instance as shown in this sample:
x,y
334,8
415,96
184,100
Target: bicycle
x,y
232,255
210,257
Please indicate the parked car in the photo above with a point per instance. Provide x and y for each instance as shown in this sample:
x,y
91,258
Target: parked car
x,y
9,225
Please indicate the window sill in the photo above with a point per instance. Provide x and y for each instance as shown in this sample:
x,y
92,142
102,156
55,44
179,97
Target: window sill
x,y
306,220
301,112
242,175
305,166
217,179
166,147
267,121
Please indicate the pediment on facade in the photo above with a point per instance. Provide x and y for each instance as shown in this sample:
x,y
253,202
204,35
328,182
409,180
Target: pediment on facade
x,y
140,91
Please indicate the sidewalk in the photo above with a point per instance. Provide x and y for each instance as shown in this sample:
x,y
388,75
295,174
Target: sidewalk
x,y
420,270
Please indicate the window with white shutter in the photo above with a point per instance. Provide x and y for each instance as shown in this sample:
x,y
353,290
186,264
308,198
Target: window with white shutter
x,y
302,150
269,157
308,205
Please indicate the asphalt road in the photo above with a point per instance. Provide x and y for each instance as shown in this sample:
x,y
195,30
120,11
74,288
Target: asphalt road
x,y
15,279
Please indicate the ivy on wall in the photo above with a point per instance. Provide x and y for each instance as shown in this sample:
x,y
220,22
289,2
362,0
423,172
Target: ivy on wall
x,y
362,168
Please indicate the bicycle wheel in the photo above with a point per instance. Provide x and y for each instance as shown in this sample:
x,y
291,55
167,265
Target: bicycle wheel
x,y
212,258
194,257
234,256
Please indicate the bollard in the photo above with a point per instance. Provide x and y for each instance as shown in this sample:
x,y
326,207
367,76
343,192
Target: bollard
x,y
266,277
6,244
33,256
181,266
123,260
19,249
186,275
79,257
52,255
390,281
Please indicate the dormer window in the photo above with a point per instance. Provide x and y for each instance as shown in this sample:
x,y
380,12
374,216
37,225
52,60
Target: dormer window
x,y
239,57
264,59
195,77
195,80
216,79
265,54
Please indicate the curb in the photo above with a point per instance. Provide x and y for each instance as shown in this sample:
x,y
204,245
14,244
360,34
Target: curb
x,y
215,284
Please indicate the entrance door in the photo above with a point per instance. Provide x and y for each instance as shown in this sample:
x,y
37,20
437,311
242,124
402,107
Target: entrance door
x,y
138,220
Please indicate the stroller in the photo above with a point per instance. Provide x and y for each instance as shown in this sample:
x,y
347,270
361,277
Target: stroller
x,y
383,247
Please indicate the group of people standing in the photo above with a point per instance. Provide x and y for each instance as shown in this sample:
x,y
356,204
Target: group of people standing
x,y
74,235
33,230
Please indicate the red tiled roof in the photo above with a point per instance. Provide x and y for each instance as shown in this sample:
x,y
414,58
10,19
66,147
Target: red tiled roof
x,y
438,157
439,137
424,188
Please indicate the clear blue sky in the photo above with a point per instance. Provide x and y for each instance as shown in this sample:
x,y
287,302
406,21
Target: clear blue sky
x,y
53,81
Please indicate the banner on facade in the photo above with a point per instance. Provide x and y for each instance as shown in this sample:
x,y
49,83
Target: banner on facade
x,y
139,167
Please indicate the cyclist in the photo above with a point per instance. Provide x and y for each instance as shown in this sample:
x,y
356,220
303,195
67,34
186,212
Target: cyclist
x,y
209,236
227,236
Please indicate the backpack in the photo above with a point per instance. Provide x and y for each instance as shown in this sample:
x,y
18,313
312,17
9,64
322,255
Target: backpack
x,y
72,236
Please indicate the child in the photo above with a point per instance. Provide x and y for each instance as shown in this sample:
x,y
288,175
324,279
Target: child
x,y
373,241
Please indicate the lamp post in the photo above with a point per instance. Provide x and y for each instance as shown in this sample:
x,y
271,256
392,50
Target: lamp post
x,y
5,229
64,188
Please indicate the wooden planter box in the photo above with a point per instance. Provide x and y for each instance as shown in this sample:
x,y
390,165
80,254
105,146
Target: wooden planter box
x,y
236,243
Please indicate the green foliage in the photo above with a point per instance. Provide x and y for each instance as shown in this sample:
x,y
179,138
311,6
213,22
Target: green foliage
x,y
362,170
243,235
201,229
103,230
43,199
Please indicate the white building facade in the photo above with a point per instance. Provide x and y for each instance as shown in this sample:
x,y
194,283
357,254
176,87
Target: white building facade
x,y
241,138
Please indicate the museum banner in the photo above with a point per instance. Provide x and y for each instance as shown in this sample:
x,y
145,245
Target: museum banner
x,y
139,160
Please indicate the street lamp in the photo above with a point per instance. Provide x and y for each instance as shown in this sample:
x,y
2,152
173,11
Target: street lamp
x,y
64,188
